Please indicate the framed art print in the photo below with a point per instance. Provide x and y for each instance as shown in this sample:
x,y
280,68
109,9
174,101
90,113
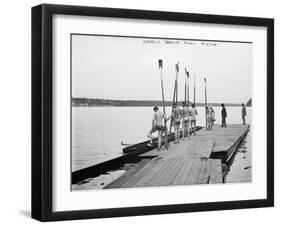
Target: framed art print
x,y
145,112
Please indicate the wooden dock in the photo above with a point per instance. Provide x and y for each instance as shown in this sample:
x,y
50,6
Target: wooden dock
x,y
197,160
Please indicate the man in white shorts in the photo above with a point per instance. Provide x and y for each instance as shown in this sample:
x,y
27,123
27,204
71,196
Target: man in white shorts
x,y
176,119
185,120
193,113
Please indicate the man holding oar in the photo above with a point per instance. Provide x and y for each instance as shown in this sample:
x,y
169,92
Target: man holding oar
x,y
185,107
158,124
176,120
193,113
158,117
185,120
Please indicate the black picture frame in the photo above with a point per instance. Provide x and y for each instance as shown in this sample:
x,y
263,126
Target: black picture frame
x,y
42,107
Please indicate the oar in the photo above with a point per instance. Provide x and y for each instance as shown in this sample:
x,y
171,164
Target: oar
x,y
187,75
160,63
194,95
187,78
186,100
174,95
185,87
177,74
205,81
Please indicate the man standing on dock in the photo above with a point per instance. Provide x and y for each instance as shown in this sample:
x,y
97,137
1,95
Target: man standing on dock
x,y
193,113
158,125
176,120
244,114
213,115
209,118
185,120
223,116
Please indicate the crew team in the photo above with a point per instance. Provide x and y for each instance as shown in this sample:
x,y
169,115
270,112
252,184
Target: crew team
x,y
186,117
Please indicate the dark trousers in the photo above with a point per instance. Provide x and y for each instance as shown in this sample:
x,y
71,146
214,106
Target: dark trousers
x,y
244,120
223,122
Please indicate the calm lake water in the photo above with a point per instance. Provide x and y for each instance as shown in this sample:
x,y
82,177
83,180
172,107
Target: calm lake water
x,y
97,133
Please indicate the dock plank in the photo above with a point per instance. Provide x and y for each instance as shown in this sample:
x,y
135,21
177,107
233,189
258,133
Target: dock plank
x,y
171,175
205,149
216,172
144,171
145,180
194,172
183,173
161,174
204,174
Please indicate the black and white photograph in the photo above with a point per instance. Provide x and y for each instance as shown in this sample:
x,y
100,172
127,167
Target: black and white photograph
x,y
145,112
159,111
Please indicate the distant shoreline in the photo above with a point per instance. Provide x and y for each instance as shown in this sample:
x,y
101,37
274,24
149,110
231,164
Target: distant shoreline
x,y
88,102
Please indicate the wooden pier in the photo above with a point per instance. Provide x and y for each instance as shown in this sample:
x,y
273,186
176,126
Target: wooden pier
x,y
197,160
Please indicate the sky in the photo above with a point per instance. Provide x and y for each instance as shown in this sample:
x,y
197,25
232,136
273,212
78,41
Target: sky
x,y
123,68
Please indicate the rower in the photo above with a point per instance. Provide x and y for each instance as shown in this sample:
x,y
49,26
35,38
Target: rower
x,y
193,113
176,118
158,124
185,120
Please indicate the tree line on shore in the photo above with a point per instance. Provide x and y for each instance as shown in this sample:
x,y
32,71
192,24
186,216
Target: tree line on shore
x,y
89,102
